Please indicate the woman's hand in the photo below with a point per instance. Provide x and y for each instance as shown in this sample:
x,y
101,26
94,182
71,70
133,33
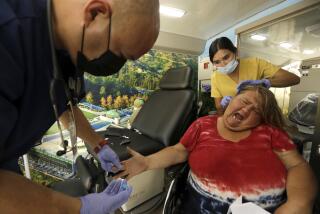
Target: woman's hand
x,y
290,208
133,166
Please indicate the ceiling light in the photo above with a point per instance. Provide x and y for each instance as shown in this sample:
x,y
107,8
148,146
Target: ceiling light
x,y
170,11
258,37
286,45
308,51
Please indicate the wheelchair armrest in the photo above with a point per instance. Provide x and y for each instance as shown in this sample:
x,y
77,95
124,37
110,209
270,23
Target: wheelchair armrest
x,y
88,179
177,190
83,172
174,170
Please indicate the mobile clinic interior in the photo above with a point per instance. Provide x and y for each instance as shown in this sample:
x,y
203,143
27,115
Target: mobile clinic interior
x,y
139,106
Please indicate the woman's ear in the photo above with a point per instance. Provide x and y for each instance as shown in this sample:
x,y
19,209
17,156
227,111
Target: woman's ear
x,y
94,7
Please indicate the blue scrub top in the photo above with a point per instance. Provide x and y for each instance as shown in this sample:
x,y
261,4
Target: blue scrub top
x,y
26,111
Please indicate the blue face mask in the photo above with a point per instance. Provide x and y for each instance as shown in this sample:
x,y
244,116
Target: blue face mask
x,y
229,68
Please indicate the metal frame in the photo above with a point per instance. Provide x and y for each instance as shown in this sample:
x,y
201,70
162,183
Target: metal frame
x,y
315,152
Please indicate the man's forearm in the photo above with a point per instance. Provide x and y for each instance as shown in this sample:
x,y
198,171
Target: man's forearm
x,y
84,129
19,195
301,185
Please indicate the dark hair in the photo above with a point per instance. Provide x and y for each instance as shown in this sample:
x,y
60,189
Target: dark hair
x,y
270,112
221,43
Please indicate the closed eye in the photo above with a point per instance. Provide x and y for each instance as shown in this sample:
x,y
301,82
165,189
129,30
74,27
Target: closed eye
x,y
243,101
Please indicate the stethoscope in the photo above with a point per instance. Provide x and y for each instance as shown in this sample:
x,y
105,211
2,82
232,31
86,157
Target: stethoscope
x,y
58,81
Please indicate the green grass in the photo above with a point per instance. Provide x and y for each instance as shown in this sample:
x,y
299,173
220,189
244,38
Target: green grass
x,y
89,115
40,178
54,128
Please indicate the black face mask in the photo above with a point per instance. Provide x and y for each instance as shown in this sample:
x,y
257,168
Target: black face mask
x,y
107,64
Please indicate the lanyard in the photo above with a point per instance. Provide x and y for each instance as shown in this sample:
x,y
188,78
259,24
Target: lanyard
x,y
56,82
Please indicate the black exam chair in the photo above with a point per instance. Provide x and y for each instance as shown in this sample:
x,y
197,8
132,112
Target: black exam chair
x,y
161,122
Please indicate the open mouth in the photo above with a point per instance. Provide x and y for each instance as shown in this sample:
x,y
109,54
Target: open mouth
x,y
237,117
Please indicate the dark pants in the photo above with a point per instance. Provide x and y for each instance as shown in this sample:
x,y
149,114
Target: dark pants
x,y
196,203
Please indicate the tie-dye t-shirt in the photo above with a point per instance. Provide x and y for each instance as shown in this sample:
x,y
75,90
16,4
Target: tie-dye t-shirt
x,y
223,170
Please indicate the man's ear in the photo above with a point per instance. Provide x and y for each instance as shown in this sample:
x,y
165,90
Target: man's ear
x,y
93,7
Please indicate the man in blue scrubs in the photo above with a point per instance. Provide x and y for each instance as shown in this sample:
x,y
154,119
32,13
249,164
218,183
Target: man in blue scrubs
x,y
96,36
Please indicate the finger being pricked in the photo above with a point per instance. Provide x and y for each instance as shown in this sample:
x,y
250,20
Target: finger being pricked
x,y
123,173
114,169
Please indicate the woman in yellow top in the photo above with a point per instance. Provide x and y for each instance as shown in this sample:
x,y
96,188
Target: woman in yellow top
x,y
232,74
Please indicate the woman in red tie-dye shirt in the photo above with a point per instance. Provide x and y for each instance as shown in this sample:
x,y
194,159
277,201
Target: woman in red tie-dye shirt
x,y
244,153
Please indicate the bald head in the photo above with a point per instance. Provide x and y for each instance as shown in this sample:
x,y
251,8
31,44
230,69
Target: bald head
x,y
134,26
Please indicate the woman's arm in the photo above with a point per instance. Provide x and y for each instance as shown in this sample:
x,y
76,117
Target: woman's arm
x,y
283,78
164,158
301,184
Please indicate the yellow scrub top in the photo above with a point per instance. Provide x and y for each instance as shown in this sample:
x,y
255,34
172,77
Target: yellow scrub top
x,y
250,69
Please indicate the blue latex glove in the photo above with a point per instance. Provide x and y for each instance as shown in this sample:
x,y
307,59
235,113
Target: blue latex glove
x,y
206,87
225,101
116,194
108,158
265,82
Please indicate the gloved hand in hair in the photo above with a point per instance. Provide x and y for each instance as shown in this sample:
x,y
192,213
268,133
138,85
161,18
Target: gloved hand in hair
x,y
108,158
264,82
115,195
225,101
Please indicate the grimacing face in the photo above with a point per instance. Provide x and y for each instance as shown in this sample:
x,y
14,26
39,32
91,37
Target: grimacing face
x,y
222,57
243,112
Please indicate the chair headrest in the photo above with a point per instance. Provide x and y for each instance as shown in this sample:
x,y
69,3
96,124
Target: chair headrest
x,y
177,78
